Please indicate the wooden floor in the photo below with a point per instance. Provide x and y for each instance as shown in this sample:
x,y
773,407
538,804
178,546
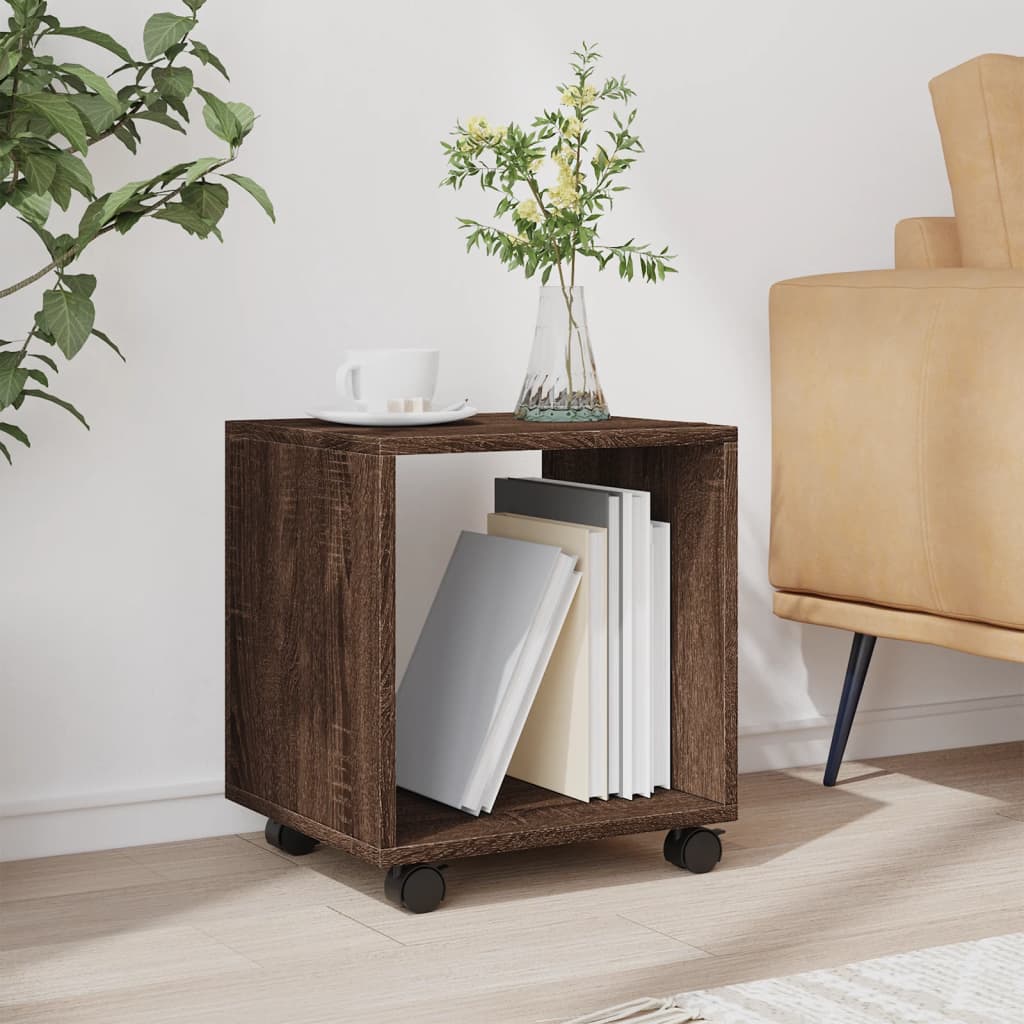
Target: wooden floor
x,y
907,852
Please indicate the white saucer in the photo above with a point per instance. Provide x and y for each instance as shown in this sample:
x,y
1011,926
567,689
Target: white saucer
x,y
392,419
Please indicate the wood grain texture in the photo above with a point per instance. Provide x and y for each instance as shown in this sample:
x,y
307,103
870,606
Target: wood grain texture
x,y
869,868
487,432
309,634
310,631
693,488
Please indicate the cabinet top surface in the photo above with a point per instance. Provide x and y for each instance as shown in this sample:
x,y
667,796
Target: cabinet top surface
x,y
489,431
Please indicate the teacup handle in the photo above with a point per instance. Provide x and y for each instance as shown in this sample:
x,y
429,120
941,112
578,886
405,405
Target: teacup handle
x,y
343,380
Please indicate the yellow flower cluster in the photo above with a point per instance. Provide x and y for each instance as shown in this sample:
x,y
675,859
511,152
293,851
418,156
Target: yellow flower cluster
x,y
576,96
564,196
481,131
572,127
528,210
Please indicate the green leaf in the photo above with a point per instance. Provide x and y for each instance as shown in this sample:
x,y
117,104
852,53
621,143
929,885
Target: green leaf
x,y
43,359
256,191
60,191
69,318
95,111
61,115
17,433
165,119
124,222
201,167
12,383
186,217
40,166
208,200
74,171
173,83
39,377
99,334
97,83
80,284
8,62
162,31
58,401
124,135
116,200
244,115
203,53
220,119
34,208
194,5
6,453
90,35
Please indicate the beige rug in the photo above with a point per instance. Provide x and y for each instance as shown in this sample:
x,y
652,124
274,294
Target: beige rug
x,y
967,983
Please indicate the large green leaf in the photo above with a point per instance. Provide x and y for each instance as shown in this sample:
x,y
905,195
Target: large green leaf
x,y
40,166
220,119
80,284
61,115
12,383
245,116
207,56
118,199
58,401
69,318
256,191
173,83
97,83
34,208
162,31
90,35
95,111
208,200
76,174
201,167
186,217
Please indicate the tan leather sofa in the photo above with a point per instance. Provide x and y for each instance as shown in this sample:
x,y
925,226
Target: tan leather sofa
x,y
898,413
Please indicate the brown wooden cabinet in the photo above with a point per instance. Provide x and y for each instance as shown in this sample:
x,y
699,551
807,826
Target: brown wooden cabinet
x,y
310,630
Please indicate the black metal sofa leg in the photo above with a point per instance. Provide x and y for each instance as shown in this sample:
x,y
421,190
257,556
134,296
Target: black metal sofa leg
x,y
856,672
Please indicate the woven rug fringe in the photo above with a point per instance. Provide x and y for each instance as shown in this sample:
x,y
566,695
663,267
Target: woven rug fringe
x,y
639,1011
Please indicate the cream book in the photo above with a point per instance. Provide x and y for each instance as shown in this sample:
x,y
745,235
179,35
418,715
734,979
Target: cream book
x,y
564,743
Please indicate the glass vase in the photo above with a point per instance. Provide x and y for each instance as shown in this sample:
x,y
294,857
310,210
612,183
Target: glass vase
x,y
561,381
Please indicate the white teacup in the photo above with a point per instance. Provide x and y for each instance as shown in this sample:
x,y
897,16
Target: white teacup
x,y
371,378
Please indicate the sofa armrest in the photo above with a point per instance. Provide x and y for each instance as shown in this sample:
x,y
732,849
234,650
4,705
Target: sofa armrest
x,y
898,440
925,243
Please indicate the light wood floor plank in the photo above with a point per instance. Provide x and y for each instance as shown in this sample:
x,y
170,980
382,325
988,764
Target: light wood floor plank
x,y
907,852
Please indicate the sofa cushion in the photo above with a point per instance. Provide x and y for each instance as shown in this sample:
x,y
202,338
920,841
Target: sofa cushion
x,y
979,107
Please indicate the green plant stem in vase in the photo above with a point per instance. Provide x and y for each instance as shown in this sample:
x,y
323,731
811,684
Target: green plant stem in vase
x,y
548,226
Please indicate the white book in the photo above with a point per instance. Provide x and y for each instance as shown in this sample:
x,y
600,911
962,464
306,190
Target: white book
x,y
661,655
591,507
564,744
636,635
466,659
487,780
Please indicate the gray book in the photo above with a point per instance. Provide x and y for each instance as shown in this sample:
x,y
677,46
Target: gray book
x,y
567,504
468,665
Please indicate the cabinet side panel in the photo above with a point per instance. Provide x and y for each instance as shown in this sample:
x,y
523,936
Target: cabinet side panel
x,y
309,622
693,487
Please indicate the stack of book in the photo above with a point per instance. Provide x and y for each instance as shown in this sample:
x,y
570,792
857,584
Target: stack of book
x,y
545,654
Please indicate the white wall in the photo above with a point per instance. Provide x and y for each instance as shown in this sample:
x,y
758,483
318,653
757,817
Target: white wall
x,y
783,138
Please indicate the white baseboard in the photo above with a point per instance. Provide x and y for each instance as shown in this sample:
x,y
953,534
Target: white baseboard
x,y
878,733
191,810
105,821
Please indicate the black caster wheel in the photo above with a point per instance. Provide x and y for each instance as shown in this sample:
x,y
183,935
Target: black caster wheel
x,y
417,887
696,849
288,839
